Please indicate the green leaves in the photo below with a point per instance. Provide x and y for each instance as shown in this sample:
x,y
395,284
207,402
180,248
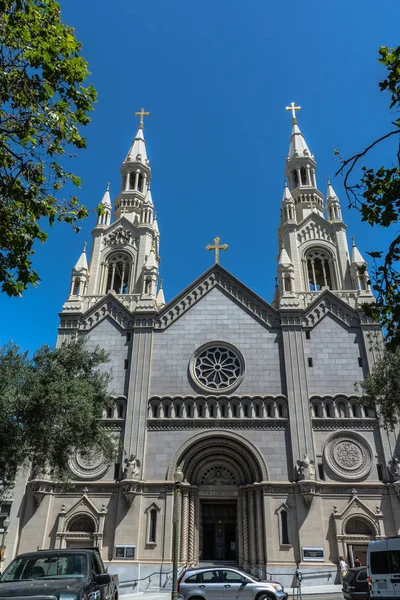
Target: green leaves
x,y
50,405
43,104
381,388
377,197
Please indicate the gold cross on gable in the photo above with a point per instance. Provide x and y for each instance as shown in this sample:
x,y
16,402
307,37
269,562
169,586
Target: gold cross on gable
x,y
142,114
217,247
293,108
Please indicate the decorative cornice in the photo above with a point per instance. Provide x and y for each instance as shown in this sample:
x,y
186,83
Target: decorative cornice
x,y
217,276
210,423
368,424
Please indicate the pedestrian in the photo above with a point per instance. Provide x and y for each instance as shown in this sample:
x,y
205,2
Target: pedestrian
x,y
343,567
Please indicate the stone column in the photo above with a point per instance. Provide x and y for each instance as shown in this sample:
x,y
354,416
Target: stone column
x,y
252,529
239,541
245,525
260,526
192,525
184,525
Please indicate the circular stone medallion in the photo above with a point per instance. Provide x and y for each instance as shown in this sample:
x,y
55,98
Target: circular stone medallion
x,y
348,455
88,464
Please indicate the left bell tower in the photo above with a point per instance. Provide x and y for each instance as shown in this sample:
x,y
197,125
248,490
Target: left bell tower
x,y
124,258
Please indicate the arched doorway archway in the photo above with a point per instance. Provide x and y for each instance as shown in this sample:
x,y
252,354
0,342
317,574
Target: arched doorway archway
x,y
222,510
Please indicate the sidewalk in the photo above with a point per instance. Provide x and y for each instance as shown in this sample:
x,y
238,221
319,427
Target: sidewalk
x,y
322,591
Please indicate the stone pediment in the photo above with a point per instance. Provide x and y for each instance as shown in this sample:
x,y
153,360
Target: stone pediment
x,y
218,277
121,233
107,307
329,303
315,228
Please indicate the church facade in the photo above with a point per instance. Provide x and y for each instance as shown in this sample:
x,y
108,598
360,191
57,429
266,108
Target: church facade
x,y
252,405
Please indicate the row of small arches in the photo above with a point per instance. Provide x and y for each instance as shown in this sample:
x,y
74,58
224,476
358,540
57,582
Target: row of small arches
x,y
117,410
213,408
339,408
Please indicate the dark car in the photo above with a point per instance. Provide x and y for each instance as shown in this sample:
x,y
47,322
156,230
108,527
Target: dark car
x,y
355,584
59,575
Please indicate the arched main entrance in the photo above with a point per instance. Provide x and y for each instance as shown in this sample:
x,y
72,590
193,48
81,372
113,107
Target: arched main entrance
x,y
222,509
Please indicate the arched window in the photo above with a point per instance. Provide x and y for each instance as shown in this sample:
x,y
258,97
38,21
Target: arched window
x,y
319,270
328,410
154,409
357,526
354,410
121,411
284,527
189,411
316,410
153,526
82,523
303,175
119,270
280,410
295,177
178,412
140,182
223,411
77,287
109,413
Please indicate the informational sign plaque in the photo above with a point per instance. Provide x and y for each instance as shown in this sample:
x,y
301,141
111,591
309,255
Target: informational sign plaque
x,y
127,552
312,554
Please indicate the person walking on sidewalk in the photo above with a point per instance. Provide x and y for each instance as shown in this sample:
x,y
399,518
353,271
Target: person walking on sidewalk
x,y
343,567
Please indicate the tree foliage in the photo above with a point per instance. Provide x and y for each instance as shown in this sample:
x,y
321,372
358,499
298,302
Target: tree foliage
x,y
381,388
43,102
51,405
377,197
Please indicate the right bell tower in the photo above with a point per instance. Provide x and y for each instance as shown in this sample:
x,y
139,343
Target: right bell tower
x,y
313,250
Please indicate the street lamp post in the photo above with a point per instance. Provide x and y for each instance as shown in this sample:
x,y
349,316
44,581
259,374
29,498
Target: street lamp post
x,y
178,478
6,525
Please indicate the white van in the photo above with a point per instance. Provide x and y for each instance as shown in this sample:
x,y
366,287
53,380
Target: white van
x,y
383,568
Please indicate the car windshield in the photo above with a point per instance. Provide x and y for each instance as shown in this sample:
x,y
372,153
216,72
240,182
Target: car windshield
x,y
61,566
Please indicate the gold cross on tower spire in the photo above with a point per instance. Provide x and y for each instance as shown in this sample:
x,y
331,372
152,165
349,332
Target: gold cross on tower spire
x,y
142,113
293,108
217,247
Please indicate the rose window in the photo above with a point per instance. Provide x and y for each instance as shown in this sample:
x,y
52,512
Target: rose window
x,y
217,367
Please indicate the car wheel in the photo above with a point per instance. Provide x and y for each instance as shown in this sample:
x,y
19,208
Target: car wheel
x,y
265,597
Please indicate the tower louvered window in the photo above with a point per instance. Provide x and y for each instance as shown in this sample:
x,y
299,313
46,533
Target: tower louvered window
x,y
118,276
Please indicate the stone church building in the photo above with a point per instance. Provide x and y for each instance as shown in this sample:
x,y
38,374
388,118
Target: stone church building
x,y
253,402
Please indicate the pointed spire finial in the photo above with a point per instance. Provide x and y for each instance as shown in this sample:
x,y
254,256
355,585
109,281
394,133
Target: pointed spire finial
x,y
84,246
108,186
328,179
161,283
142,113
353,242
293,108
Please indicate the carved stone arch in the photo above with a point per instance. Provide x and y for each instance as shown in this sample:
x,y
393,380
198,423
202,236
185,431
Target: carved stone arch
x,y
152,524
109,251
371,523
215,461
83,509
228,443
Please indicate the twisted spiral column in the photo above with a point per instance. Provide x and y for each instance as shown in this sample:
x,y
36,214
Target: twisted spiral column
x,y
245,525
252,529
260,526
184,525
192,530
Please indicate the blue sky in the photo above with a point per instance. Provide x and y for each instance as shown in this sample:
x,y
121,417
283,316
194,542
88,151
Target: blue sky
x,y
216,76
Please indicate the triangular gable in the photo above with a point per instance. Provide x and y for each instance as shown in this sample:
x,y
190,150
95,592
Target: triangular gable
x,y
218,277
319,225
109,306
82,506
128,233
328,303
357,508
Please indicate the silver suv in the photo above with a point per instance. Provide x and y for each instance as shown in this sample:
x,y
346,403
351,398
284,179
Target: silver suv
x,y
226,584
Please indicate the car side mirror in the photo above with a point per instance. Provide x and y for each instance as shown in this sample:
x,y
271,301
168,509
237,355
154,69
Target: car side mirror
x,y
103,579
